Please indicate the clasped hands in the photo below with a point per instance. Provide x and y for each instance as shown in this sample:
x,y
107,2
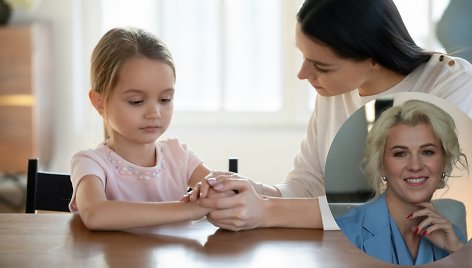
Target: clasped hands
x,y
231,201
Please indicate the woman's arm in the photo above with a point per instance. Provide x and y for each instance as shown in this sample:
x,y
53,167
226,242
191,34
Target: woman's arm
x,y
98,213
248,210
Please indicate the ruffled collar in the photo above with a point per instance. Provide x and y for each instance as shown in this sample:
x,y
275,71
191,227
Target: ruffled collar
x,y
129,169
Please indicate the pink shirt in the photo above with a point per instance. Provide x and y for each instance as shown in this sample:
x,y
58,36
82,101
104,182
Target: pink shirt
x,y
122,180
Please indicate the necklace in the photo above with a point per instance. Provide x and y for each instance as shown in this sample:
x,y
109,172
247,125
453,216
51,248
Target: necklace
x,y
126,168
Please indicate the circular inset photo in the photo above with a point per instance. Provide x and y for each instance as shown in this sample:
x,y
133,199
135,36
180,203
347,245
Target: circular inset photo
x,y
398,179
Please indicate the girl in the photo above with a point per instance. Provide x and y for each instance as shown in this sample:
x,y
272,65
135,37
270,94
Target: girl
x,y
130,180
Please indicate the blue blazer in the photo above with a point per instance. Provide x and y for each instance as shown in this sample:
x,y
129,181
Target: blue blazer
x,y
371,228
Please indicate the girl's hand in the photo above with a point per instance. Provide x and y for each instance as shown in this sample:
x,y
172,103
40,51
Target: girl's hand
x,y
202,188
241,209
197,211
436,228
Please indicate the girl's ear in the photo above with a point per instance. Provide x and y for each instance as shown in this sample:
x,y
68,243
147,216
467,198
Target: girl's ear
x,y
97,101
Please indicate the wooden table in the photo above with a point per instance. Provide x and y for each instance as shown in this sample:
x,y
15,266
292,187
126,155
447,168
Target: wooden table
x,y
61,240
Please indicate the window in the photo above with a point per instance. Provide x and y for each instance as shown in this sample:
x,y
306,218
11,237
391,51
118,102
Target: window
x,y
228,54
421,17
236,60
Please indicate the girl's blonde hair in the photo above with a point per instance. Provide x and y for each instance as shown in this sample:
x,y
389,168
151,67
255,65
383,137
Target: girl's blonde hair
x,y
114,49
411,113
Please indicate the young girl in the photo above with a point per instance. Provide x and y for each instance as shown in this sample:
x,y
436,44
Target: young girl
x,y
130,180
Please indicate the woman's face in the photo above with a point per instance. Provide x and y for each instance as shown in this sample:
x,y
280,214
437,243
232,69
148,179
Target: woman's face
x,y
329,74
413,163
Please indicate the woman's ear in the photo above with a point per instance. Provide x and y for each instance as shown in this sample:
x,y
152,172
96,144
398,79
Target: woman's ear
x,y
97,101
374,65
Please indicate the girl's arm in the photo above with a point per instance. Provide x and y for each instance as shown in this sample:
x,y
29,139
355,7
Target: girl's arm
x,y
98,213
198,175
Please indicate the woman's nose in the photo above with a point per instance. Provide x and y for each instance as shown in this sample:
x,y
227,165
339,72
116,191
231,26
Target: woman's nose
x,y
415,163
306,70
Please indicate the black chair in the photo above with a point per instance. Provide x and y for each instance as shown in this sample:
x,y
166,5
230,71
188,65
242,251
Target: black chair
x,y
47,191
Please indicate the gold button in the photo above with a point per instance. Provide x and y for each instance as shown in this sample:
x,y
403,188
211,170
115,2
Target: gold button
x,y
451,63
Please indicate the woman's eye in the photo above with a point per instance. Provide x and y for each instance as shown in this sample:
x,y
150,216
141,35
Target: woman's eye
x,y
428,152
399,154
321,70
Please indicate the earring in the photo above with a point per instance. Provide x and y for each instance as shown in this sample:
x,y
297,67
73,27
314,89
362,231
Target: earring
x,y
384,179
442,183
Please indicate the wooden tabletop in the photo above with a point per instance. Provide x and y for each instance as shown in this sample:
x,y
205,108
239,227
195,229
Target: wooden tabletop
x,y
61,240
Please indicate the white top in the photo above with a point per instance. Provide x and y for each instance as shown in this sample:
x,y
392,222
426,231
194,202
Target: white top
x,y
449,78
122,180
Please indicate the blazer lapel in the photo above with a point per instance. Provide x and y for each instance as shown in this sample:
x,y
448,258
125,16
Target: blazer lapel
x,y
376,222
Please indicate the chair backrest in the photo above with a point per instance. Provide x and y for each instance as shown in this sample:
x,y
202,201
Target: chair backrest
x,y
47,191
454,211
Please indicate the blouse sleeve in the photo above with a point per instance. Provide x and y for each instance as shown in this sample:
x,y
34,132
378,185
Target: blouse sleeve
x,y
306,178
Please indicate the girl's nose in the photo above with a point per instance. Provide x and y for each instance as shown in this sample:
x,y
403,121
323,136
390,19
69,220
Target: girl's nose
x,y
153,112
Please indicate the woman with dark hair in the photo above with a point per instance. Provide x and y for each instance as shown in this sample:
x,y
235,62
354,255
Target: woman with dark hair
x,y
354,51
411,150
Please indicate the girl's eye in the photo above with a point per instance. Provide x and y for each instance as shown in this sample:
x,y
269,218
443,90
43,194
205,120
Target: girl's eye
x,y
166,100
135,102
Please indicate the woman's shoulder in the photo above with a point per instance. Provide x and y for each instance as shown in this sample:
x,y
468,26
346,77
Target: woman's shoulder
x,y
360,215
445,77
354,218
443,63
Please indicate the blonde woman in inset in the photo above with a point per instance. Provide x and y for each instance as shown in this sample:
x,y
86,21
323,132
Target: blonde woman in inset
x,y
410,152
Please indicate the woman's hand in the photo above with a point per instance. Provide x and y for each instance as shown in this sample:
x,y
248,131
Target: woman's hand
x,y
436,228
201,189
241,209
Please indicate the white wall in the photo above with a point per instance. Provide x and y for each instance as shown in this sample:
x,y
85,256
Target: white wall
x,y
265,153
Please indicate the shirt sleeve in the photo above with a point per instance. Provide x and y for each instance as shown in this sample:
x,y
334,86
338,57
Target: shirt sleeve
x,y
176,152
449,78
81,165
306,178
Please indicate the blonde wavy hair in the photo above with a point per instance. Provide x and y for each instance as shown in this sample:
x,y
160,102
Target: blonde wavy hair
x,y
411,113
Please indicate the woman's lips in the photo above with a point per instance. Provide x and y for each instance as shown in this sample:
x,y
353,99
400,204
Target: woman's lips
x,y
416,181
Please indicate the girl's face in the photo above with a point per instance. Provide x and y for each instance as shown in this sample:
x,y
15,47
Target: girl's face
x,y
413,163
329,74
141,106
